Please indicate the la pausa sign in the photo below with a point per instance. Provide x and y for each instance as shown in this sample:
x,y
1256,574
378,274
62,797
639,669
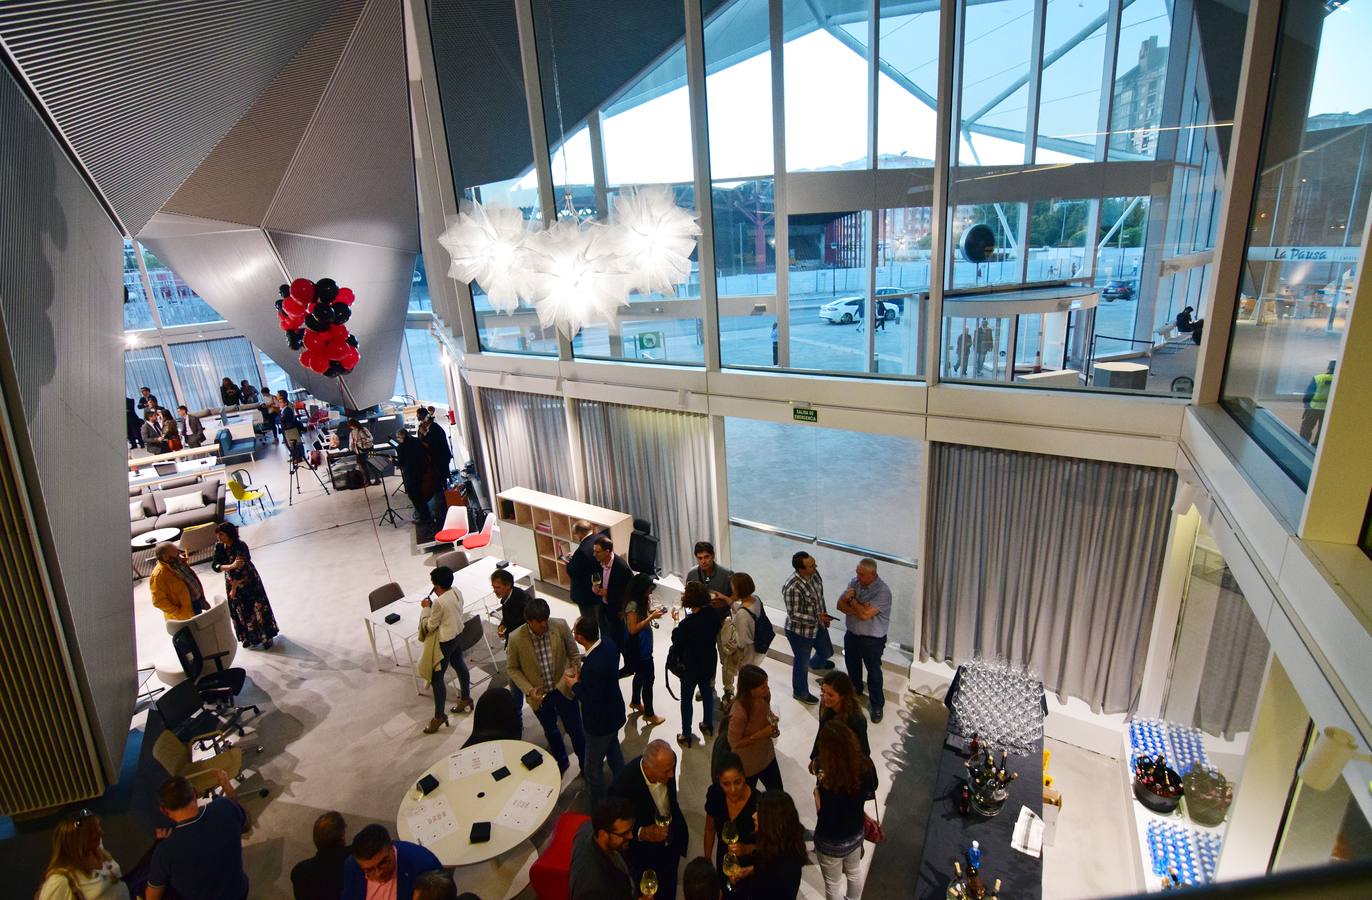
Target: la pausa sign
x,y
1304,254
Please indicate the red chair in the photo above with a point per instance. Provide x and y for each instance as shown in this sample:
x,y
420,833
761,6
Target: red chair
x,y
549,874
454,526
482,537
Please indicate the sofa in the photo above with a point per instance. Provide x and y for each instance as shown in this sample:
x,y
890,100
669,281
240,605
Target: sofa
x,y
153,504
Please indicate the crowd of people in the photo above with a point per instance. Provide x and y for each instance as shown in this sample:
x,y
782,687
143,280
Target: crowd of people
x,y
752,843
158,429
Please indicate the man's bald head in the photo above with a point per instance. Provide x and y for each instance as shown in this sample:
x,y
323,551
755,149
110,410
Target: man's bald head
x,y
659,762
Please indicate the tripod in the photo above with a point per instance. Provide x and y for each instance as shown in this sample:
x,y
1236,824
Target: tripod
x,y
297,454
390,515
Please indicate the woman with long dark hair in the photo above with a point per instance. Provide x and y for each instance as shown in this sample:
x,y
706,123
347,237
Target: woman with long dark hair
x,y
838,701
639,616
773,870
752,726
729,801
228,392
80,868
253,620
844,778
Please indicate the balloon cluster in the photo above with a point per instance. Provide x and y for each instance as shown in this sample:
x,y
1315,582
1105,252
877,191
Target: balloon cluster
x,y
314,315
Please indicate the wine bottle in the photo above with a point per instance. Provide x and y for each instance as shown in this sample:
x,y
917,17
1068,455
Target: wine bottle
x,y
974,856
965,800
995,891
975,886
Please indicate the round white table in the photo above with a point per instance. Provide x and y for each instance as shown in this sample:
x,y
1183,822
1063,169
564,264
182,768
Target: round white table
x,y
156,536
478,797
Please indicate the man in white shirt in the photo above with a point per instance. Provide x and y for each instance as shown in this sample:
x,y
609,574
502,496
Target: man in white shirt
x,y
444,614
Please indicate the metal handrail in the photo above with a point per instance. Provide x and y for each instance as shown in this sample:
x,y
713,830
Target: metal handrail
x,y
1091,355
803,538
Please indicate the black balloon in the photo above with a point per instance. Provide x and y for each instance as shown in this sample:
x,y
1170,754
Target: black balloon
x,y
325,290
285,290
342,312
313,323
280,303
352,340
324,312
335,369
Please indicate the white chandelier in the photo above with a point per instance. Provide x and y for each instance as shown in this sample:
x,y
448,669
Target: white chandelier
x,y
575,271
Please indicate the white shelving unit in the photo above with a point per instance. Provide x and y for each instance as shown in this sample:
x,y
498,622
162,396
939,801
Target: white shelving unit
x,y
536,530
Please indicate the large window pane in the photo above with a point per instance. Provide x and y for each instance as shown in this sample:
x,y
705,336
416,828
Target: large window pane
x,y
907,87
1002,265
419,287
146,367
773,483
1069,90
137,311
825,62
1308,221
277,379
998,37
177,304
903,241
738,92
1140,79
828,302
430,381
201,367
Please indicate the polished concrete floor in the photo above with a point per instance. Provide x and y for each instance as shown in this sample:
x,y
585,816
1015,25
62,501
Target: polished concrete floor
x,y
339,734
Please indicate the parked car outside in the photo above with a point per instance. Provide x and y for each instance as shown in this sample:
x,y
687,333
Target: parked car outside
x,y
847,310
1117,290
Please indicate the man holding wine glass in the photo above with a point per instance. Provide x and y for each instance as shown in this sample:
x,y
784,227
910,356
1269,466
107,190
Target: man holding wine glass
x,y
598,870
660,834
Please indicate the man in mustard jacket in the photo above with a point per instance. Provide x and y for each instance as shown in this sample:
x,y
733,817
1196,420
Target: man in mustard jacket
x,y
176,589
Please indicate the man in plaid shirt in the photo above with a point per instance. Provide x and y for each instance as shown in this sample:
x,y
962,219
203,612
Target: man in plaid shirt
x,y
807,624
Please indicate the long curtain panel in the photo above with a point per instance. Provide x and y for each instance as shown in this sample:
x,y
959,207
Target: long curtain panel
x,y
652,464
147,367
527,435
202,365
1048,561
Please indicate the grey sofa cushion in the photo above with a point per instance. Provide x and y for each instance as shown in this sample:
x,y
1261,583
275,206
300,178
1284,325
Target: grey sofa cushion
x,y
160,497
141,526
172,484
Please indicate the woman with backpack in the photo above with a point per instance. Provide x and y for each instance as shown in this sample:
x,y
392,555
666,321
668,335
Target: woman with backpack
x,y
752,632
693,646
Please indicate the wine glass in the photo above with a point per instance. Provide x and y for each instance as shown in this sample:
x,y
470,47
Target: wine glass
x,y
731,866
662,819
730,834
647,885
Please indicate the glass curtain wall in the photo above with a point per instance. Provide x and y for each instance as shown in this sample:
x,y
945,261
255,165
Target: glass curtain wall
x,y
617,117
791,488
427,364
1307,224
176,303
201,367
482,92
137,310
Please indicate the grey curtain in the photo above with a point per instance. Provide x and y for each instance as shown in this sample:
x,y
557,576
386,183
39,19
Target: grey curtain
x,y
1234,664
652,464
201,366
1048,561
147,367
527,435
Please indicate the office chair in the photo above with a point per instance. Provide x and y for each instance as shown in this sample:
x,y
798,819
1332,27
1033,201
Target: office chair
x,y
219,688
643,548
184,714
243,494
481,538
453,559
387,593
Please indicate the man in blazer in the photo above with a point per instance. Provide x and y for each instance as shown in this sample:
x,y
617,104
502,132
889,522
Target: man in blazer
x,y
581,565
538,655
615,576
596,687
649,783
391,865
192,432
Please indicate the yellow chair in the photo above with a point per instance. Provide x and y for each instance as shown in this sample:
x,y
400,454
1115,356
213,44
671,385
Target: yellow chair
x,y
244,494
174,755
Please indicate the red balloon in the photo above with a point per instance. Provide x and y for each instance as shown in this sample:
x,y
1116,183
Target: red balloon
x,y
345,296
302,289
290,323
350,358
315,340
292,306
321,366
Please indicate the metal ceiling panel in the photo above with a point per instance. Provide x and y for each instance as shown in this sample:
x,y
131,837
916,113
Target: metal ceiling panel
x,y
381,279
144,90
237,181
353,176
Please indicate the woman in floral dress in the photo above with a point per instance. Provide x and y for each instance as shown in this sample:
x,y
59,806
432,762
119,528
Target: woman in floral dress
x,y
251,611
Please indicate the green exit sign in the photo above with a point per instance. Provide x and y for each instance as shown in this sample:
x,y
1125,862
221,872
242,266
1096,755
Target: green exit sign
x,y
805,415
